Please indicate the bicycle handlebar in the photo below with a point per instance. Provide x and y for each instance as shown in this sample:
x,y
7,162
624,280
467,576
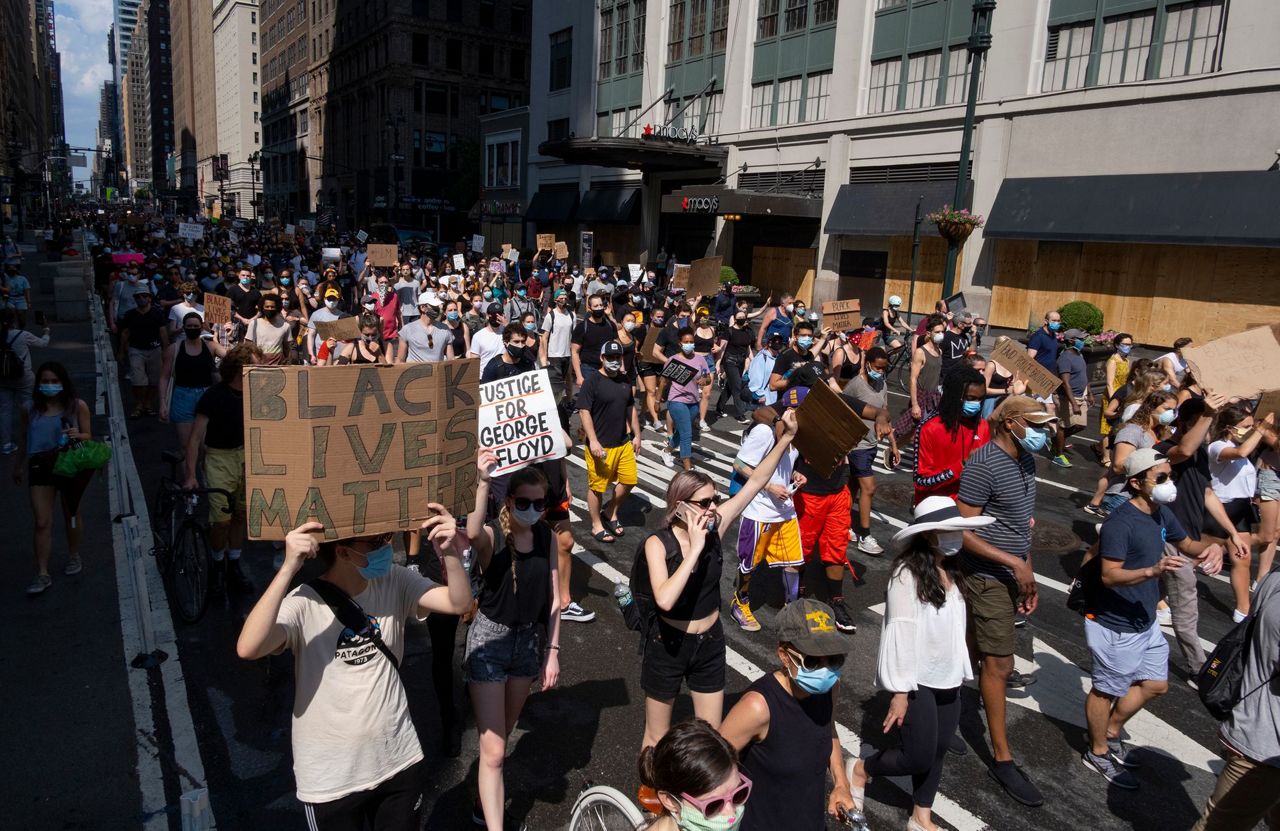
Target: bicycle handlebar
x,y
230,497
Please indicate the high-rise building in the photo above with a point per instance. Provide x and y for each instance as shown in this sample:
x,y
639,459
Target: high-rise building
x,y
104,161
236,67
137,115
23,123
153,20
288,48
195,123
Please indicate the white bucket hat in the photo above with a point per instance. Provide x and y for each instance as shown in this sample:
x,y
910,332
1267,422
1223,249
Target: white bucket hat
x,y
936,513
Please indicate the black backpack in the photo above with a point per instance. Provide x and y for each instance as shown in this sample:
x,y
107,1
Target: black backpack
x,y
1222,676
640,614
11,366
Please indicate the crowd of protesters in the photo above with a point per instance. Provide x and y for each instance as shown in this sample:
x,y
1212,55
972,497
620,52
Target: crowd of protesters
x,y
1188,483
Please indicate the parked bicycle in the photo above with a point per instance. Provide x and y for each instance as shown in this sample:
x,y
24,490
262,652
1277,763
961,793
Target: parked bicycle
x,y
180,529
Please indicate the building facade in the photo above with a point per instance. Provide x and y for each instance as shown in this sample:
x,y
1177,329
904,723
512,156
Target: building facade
x,y
286,54
796,139
504,138
136,103
153,19
22,115
236,67
195,122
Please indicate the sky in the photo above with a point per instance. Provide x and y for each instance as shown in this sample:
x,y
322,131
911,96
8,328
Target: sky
x,y
81,27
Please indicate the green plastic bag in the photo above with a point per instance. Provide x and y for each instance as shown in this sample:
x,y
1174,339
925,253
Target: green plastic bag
x,y
81,456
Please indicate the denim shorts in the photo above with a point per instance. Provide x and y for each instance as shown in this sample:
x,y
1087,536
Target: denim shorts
x,y
496,652
672,656
182,404
1268,485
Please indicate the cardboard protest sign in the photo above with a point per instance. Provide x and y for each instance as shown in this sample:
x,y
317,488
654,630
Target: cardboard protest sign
x,y
1242,365
842,315
217,309
704,276
344,328
362,236
512,256
360,449
330,255
1013,356
383,255
650,343
678,372
635,270
459,262
680,276
477,243
287,239
587,248
519,421
1270,403
546,242
190,230
561,250
828,429
125,259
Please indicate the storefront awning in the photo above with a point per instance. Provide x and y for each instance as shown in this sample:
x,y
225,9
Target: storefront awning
x,y
616,205
720,200
1214,208
885,208
650,155
552,206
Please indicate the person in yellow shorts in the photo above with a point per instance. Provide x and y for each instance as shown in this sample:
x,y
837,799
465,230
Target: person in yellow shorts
x,y
606,403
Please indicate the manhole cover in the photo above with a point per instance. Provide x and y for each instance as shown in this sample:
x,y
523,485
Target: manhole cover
x,y
1052,537
898,494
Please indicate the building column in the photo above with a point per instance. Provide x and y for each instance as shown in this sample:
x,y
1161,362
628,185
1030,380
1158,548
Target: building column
x,y
990,158
849,77
826,282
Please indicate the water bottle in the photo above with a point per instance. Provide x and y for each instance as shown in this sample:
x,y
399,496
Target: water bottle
x,y
622,594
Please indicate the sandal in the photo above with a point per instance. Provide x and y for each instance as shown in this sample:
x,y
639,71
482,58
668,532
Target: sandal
x,y
616,528
604,536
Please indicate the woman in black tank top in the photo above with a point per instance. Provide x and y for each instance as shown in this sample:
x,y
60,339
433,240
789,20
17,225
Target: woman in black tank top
x,y
368,348
186,372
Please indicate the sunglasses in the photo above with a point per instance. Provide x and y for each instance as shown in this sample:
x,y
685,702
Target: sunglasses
x,y
713,806
1161,478
812,662
704,504
373,543
524,504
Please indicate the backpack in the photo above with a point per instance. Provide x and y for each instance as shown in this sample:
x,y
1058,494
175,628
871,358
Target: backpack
x,y
1222,675
11,366
642,612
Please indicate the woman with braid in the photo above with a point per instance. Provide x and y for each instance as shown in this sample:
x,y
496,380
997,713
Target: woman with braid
x,y
945,440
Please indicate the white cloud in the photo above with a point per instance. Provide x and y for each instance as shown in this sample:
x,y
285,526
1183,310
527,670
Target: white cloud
x,y
82,27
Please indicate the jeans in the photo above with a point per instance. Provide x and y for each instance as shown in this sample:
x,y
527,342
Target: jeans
x,y
14,398
734,389
683,417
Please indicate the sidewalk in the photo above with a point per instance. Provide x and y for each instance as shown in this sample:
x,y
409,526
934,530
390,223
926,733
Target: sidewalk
x,y
69,737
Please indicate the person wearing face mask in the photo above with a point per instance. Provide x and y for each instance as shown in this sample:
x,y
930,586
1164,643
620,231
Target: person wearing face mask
x,y
589,337
453,320
1233,476
189,369
1129,650
144,335
735,356
1150,424
122,301
1074,396
784,727
923,658
515,636
328,313
521,303
386,305
870,388
554,345
245,297
366,349
760,370
799,365
427,339
346,630
926,378
473,315
1173,364
683,401
999,480
694,774
189,304
1117,373
607,408
777,321
649,362
271,333
945,440
486,344
514,358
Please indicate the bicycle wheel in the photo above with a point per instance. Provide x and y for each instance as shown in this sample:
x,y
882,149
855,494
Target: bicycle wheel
x,y
603,808
163,515
189,579
902,367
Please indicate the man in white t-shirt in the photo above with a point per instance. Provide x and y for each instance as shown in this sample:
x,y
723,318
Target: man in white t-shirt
x,y
190,303
768,530
355,750
554,351
486,343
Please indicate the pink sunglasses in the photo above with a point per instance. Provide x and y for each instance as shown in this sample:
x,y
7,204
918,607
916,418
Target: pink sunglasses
x,y
713,806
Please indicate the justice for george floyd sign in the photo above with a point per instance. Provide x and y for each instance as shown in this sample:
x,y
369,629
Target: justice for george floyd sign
x,y
360,449
519,421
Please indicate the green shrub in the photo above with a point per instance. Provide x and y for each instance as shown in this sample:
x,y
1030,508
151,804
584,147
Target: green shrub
x,y
1081,314
728,275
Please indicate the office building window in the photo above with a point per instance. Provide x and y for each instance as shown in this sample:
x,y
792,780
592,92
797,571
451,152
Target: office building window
x,y
882,97
815,99
767,19
1191,38
421,49
1126,44
797,16
561,59
719,25
485,63
958,76
637,34
502,161
693,113
714,105
824,12
519,19
517,61
622,38
762,105
558,129
697,27
889,4
453,54
486,14
923,71
788,101
606,43
675,31
1066,57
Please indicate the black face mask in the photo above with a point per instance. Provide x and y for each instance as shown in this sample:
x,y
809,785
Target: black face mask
x,y
598,314
515,350
192,334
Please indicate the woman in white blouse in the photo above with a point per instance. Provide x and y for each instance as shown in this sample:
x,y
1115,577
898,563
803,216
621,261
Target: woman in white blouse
x,y
923,658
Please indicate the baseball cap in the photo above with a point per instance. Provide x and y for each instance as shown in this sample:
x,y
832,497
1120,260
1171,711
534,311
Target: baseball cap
x,y
142,289
558,294
1020,406
793,396
331,292
1072,334
777,341
612,349
809,626
494,309
1142,460
428,298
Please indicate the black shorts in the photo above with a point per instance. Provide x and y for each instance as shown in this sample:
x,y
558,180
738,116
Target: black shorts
x,y
557,511
40,471
860,462
1241,512
671,656
392,805
645,370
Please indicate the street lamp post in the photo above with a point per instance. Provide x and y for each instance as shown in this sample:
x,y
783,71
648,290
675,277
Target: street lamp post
x,y
396,124
979,44
255,159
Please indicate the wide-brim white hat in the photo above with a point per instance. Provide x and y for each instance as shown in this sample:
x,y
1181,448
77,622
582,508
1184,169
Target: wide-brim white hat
x,y
937,513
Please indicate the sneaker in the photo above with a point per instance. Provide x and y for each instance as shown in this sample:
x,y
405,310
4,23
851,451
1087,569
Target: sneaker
x,y
868,545
74,566
843,622
1191,682
1016,783
743,616
8,448
1061,460
236,575
1019,621
1019,681
1122,753
1164,617
665,456
39,585
1110,769
576,613
703,425
1095,510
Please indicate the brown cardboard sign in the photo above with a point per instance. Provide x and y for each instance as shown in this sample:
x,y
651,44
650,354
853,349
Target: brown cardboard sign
x,y
1013,357
650,344
828,429
546,242
704,276
217,308
344,328
382,254
842,315
1242,365
561,250
360,449
680,276
1270,403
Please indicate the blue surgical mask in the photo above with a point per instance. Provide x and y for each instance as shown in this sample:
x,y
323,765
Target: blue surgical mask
x,y
531,327
691,819
1034,440
521,292
529,516
378,563
804,341
1167,416
1055,325
816,681
1078,343
875,376
49,390
971,408
1167,387
687,348
452,315
1124,349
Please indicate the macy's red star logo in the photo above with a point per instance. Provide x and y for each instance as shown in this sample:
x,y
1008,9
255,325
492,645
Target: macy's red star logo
x,y
648,129
684,204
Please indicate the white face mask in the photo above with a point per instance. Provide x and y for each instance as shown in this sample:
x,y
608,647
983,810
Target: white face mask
x,y
1164,493
937,337
949,542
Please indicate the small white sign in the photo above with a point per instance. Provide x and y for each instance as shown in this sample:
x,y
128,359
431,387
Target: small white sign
x,y
513,255
362,236
331,255
191,230
290,230
636,270
477,243
459,262
519,421
308,225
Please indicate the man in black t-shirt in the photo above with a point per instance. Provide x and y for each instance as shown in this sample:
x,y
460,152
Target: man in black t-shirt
x,y
514,358
737,354
956,340
589,337
219,427
245,298
607,407
799,365
144,334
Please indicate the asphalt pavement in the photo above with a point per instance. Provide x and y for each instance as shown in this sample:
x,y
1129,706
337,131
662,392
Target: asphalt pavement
x,y
588,729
